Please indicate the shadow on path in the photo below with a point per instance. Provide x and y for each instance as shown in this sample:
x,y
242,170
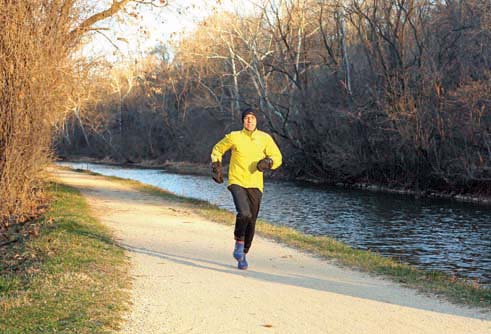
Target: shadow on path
x,y
353,289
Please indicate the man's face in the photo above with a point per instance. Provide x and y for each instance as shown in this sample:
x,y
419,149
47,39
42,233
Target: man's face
x,y
250,122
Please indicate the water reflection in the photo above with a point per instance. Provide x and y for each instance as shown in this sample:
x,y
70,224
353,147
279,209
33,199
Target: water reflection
x,y
435,235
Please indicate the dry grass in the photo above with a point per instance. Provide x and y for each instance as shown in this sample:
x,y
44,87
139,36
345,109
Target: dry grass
x,y
70,278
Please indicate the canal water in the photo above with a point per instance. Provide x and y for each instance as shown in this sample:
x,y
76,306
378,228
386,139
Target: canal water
x,y
430,234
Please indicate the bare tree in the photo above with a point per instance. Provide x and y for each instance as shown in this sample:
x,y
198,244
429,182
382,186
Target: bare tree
x,y
383,91
38,70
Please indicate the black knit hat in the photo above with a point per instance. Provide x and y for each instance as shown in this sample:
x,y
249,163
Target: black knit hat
x,y
248,111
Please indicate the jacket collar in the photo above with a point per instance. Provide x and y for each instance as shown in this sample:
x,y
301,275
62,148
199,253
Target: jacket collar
x,y
249,133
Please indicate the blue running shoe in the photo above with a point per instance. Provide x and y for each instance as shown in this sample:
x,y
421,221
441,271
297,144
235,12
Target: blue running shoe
x,y
242,265
238,250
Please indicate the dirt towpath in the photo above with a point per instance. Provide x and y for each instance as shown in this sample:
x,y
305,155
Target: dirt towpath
x,y
185,279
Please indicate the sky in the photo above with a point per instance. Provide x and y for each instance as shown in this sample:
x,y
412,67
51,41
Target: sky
x,y
129,36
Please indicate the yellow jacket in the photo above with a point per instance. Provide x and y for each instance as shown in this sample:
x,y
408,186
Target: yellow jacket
x,y
248,147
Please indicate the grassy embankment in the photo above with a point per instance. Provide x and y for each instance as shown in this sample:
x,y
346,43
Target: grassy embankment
x,y
454,289
70,278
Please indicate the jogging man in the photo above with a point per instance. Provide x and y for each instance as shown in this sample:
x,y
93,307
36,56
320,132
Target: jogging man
x,y
253,152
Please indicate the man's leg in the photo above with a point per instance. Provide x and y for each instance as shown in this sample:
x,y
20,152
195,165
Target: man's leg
x,y
244,213
254,196
243,218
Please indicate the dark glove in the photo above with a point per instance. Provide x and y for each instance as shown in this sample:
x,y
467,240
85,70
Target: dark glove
x,y
264,164
216,171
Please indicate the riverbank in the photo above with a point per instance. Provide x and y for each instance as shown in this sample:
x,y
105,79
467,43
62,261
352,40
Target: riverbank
x,y
188,168
65,274
186,281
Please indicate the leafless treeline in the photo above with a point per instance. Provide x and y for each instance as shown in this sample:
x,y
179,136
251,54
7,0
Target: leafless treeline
x,y
393,91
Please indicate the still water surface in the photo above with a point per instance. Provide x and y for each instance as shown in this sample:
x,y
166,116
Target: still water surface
x,y
430,234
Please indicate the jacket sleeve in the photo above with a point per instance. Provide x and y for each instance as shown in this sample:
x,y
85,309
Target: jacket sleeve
x,y
272,151
221,147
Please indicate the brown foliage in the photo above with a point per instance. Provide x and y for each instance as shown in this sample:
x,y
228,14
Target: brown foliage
x,y
39,74
33,72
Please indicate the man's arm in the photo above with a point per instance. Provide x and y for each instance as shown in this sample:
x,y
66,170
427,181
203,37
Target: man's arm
x,y
216,157
220,148
273,152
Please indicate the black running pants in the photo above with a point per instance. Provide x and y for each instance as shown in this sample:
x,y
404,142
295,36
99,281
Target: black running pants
x,y
247,202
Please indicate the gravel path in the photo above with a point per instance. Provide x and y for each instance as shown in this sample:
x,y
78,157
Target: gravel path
x,y
185,279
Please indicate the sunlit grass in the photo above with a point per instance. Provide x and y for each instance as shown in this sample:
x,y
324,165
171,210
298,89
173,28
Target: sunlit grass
x,y
69,279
